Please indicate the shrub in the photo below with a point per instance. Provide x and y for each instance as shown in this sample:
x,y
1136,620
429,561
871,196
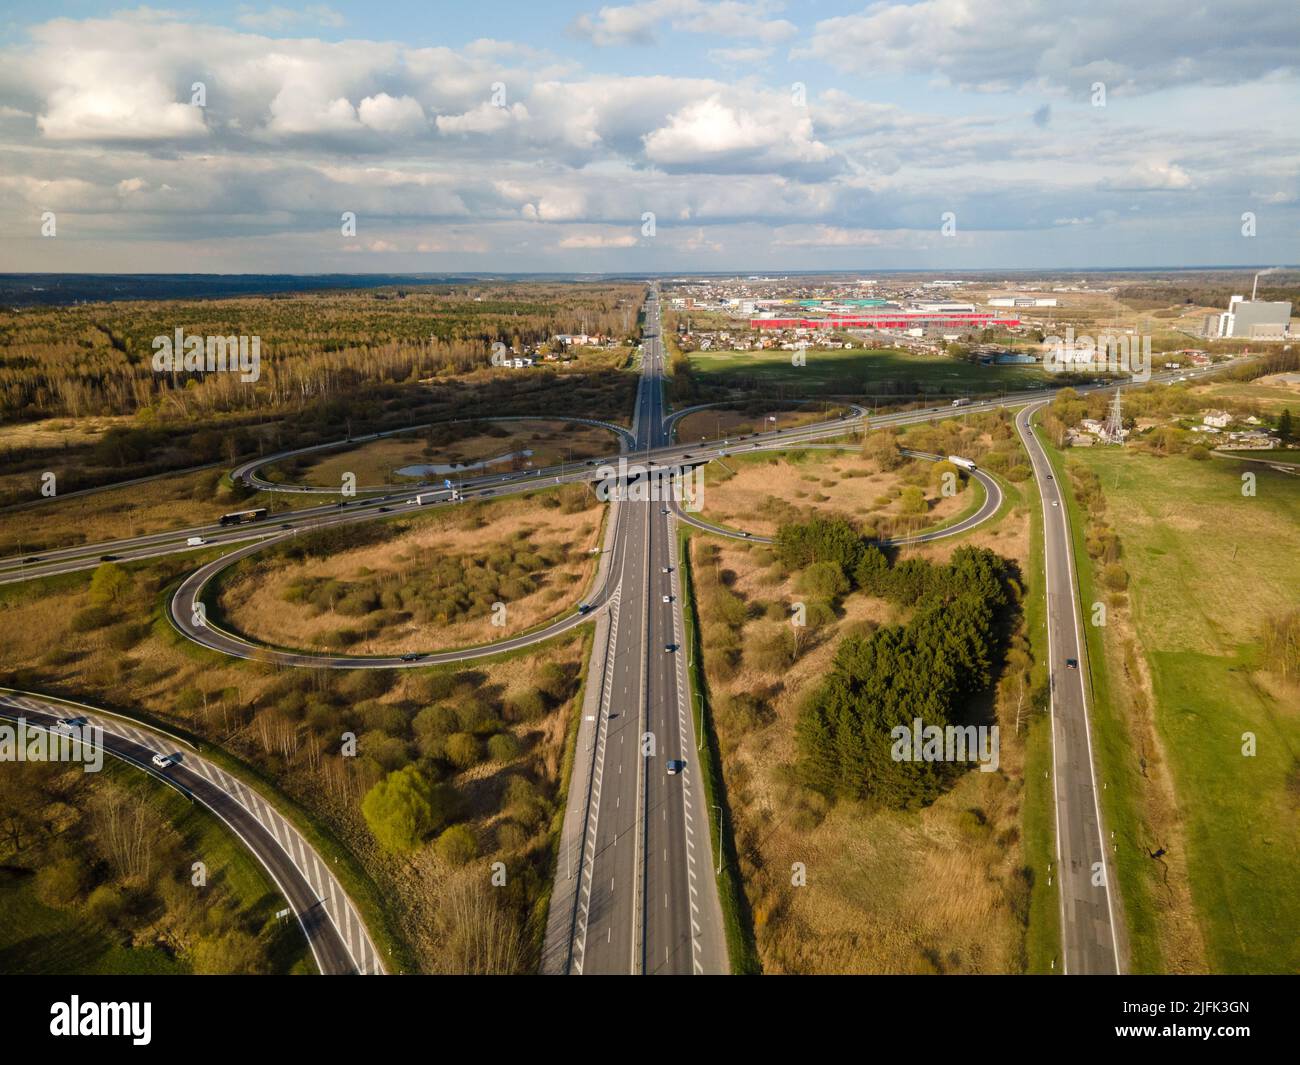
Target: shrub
x,y
511,836
463,750
91,618
824,580
60,883
105,904
405,807
503,747
525,704
366,684
457,845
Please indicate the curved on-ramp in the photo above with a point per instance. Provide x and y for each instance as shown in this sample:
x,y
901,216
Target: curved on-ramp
x,y
991,505
337,936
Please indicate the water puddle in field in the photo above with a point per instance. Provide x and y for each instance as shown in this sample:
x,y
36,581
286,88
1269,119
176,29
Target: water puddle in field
x,y
458,467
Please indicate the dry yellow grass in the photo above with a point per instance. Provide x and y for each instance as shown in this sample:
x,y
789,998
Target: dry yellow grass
x,y
43,651
707,424
374,463
938,890
59,432
254,602
175,501
766,490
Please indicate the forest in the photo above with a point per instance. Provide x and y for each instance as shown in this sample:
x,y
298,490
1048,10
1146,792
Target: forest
x,y
933,666
95,359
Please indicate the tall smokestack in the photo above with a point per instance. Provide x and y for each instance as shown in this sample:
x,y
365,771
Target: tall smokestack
x,y
1254,288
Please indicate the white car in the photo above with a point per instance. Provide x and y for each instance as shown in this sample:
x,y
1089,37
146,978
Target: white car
x,y
668,598
195,541
162,761
1055,503
64,727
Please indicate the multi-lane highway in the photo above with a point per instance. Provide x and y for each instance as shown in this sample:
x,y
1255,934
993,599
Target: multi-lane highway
x,y
639,895
1089,939
45,563
644,899
338,939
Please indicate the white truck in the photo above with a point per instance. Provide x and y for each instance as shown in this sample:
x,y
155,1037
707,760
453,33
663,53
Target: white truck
x,y
960,402
964,464
195,541
425,498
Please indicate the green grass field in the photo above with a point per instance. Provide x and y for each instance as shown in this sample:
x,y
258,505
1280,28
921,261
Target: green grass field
x,y
36,939
1206,565
861,371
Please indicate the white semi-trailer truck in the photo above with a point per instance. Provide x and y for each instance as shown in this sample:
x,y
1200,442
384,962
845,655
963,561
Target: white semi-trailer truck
x,y
965,464
425,498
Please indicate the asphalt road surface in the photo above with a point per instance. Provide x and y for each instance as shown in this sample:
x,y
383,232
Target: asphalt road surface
x,y
338,939
646,899
1088,932
31,565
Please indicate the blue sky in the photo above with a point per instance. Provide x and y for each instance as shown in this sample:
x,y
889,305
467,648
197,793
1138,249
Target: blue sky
x,y
524,136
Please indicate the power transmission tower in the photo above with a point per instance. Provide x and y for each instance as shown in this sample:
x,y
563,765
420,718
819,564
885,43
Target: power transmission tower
x,y
1113,433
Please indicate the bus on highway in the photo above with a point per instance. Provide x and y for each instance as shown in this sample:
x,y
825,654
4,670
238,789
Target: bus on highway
x,y
240,517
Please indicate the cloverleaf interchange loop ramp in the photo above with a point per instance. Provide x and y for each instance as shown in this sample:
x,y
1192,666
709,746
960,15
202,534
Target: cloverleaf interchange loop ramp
x,y
338,938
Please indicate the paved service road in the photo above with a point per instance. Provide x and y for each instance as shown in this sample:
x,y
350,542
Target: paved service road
x,y
338,939
1088,934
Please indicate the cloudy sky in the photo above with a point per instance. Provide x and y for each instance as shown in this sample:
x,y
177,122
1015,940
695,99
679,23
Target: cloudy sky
x,y
649,135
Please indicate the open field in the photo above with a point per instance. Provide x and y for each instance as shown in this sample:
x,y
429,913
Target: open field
x,y
174,501
1179,683
719,421
497,744
949,888
767,490
1262,396
550,443
430,583
859,371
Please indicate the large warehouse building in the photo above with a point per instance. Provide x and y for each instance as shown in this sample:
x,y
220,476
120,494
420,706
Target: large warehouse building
x,y
1252,320
891,320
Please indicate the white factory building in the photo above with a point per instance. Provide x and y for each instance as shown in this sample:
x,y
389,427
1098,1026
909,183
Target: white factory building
x,y
1022,301
1252,320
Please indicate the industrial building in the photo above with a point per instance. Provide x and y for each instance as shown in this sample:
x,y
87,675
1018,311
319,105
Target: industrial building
x,y
1022,301
1251,320
910,319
